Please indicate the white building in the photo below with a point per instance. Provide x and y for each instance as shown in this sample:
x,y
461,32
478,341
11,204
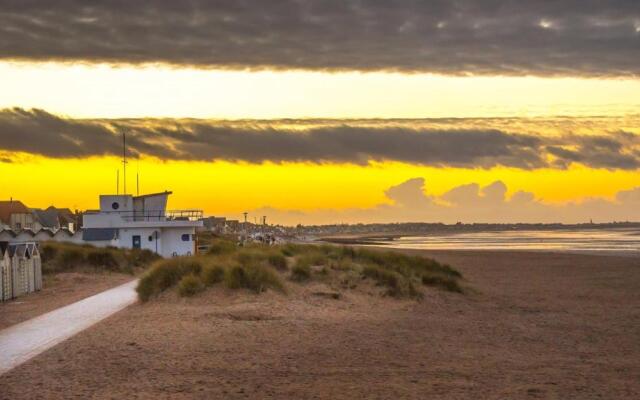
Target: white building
x,y
142,222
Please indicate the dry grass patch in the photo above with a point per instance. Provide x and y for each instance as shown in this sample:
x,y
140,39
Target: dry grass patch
x,y
258,268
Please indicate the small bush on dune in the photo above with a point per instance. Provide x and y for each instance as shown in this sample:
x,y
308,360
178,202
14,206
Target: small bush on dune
x,y
61,257
212,274
292,249
141,257
190,285
256,278
446,283
343,264
222,246
301,272
407,266
277,261
164,274
251,256
69,258
48,252
396,284
102,258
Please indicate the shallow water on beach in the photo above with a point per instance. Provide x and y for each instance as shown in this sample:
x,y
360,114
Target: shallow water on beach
x,y
594,240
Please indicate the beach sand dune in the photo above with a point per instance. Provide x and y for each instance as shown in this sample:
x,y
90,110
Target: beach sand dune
x,y
534,326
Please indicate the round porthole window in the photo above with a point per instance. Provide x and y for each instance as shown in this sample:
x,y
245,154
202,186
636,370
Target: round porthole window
x,y
115,205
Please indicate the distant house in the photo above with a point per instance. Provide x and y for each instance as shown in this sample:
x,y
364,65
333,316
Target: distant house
x,y
215,224
142,222
55,218
15,215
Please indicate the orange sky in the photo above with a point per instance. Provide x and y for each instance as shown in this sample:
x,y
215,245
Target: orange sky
x,y
228,188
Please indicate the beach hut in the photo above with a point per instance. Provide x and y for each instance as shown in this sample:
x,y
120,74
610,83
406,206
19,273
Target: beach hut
x,y
63,235
6,277
23,236
43,235
7,235
21,269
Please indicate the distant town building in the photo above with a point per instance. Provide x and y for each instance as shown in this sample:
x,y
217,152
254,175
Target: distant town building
x,y
215,224
142,222
16,216
55,218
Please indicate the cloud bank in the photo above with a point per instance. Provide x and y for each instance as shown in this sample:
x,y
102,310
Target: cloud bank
x,y
338,141
469,203
571,37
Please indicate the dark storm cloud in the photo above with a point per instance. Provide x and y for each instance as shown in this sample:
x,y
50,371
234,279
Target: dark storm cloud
x,y
570,37
39,132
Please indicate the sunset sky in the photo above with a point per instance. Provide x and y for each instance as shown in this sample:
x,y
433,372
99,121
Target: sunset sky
x,y
327,111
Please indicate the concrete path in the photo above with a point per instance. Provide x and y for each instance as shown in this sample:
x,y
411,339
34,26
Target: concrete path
x,y
26,340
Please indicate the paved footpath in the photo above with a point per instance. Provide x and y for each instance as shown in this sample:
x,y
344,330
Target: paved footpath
x,y
23,341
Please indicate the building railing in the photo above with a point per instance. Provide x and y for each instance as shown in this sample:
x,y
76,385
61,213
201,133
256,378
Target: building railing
x,y
155,215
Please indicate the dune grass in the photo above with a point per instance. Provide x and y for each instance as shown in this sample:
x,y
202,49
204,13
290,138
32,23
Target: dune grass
x,y
63,257
258,268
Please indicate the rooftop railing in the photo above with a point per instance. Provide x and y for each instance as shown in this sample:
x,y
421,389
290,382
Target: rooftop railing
x,y
155,215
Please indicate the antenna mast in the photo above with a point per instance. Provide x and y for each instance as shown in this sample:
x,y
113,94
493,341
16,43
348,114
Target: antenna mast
x,y
124,162
138,176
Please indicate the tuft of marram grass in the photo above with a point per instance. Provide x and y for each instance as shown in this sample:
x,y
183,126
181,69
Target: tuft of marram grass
x,y
301,272
213,274
443,282
190,285
166,273
256,278
222,246
277,261
62,257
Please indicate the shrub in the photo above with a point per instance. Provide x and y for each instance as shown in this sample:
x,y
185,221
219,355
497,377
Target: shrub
x,y
344,264
256,278
301,272
69,258
190,285
102,258
221,246
312,259
407,266
48,252
141,257
166,273
291,249
396,284
251,256
445,283
277,261
212,274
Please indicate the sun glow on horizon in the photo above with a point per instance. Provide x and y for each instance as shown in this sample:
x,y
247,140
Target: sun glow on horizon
x,y
234,187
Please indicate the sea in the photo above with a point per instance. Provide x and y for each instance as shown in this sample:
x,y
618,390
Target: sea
x,y
618,241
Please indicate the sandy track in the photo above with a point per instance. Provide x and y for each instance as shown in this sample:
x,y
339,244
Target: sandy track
x,y
539,326
23,341
58,291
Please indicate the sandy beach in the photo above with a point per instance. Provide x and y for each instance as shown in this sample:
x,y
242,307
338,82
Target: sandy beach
x,y
533,325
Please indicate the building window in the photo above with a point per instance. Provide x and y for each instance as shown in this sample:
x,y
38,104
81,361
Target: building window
x,y
115,205
186,237
151,238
